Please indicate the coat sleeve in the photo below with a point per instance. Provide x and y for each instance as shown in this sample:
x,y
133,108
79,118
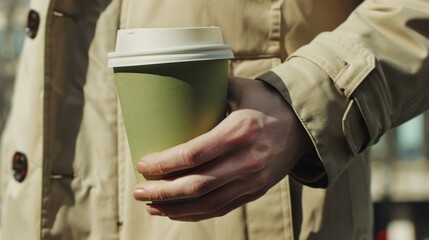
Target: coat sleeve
x,y
351,85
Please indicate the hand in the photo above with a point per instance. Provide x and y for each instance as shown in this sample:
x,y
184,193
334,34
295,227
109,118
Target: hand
x,y
255,147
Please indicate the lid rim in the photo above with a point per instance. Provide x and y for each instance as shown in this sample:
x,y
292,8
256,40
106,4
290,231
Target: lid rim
x,y
164,59
171,51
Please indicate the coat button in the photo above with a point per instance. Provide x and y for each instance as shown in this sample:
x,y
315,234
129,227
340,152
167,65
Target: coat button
x,y
33,21
19,166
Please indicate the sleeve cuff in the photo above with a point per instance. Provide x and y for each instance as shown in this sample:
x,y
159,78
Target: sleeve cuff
x,y
309,170
318,81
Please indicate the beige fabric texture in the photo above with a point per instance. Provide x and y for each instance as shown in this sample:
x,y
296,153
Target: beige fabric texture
x,y
351,71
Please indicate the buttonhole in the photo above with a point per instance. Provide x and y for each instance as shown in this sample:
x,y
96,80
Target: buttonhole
x,y
344,63
60,14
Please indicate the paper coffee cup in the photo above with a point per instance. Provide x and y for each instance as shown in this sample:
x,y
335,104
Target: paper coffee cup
x,y
171,83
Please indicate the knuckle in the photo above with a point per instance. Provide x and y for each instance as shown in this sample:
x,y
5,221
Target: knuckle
x,y
255,163
198,187
190,156
161,194
247,130
160,168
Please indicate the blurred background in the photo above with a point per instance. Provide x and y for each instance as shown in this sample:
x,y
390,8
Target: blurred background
x,y
13,16
400,161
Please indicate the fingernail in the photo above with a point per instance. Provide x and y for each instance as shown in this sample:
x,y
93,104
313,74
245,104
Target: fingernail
x,y
154,211
140,193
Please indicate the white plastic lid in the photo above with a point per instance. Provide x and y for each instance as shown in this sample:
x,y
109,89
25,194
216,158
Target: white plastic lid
x,y
146,46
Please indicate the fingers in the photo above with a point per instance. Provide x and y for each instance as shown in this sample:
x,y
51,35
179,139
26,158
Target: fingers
x,y
214,204
235,132
185,156
201,180
220,212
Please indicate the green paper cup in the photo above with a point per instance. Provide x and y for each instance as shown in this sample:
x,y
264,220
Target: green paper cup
x,y
172,85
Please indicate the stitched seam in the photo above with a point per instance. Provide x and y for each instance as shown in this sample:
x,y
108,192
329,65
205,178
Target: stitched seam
x,y
366,56
335,73
313,140
46,130
331,71
246,222
119,163
286,209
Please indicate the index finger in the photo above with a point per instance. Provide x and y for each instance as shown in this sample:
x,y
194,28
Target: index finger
x,y
194,153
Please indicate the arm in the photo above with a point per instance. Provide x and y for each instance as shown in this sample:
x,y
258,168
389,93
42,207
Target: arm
x,y
345,89
366,77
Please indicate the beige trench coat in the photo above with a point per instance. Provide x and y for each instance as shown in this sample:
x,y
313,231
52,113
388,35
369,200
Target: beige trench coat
x,y
348,86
